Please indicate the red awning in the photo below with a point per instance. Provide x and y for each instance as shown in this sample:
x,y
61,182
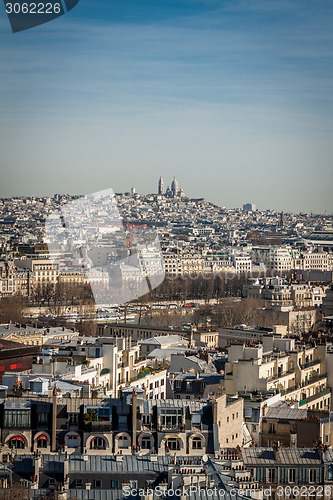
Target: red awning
x,y
42,437
17,437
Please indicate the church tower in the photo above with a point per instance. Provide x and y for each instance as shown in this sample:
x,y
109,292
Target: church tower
x,y
160,186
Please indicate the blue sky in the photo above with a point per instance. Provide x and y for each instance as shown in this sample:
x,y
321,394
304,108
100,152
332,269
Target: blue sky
x,y
235,98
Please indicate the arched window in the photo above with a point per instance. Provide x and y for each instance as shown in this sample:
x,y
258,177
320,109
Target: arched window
x,y
42,441
17,442
172,444
197,443
146,443
98,443
73,441
123,441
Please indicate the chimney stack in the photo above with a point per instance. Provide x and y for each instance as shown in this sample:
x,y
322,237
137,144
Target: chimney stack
x,y
54,420
134,417
276,450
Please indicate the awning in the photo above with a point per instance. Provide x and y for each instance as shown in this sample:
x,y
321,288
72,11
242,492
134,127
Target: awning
x,y
17,437
42,437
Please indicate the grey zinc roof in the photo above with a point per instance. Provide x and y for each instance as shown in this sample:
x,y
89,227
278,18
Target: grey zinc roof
x,y
29,330
285,412
163,340
17,405
286,456
194,406
166,353
107,464
328,456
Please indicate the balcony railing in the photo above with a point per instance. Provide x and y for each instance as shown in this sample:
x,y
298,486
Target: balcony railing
x,y
175,428
310,363
98,426
282,374
303,384
314,397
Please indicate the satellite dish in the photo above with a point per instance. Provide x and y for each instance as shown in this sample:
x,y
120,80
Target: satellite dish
x,y
205,458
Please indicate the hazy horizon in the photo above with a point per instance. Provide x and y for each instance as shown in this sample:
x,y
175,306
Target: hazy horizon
x,y
234,97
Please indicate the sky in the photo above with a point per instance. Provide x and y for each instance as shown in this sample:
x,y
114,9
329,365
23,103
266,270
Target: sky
x,y
233,97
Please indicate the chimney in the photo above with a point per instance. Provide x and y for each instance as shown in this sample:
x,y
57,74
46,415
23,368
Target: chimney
x,y
54,420
197,374
37,465
66,470
276,450
134,417
214,404
320,450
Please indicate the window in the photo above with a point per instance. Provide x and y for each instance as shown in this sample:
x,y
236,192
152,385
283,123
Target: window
x,y
292,476
146,419
172,444
79,483
123,442
17,419
97,483
122,419
271,428
98,443
146,443
114,484
42,442
72,417
17,443
72,441
171,418
42,418
271,475
227,420
162,382
312,476
197,443
51,481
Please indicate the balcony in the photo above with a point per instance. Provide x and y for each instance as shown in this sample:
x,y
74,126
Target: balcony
x,y
100,426
281,375
315,396
309,364
174,428
294,388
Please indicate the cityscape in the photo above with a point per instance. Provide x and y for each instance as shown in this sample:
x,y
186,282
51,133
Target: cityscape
x,y
161,345
166,250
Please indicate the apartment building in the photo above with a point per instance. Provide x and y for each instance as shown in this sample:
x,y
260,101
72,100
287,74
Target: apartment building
x,y
316,261
44,271
297,373
282,469
277,259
